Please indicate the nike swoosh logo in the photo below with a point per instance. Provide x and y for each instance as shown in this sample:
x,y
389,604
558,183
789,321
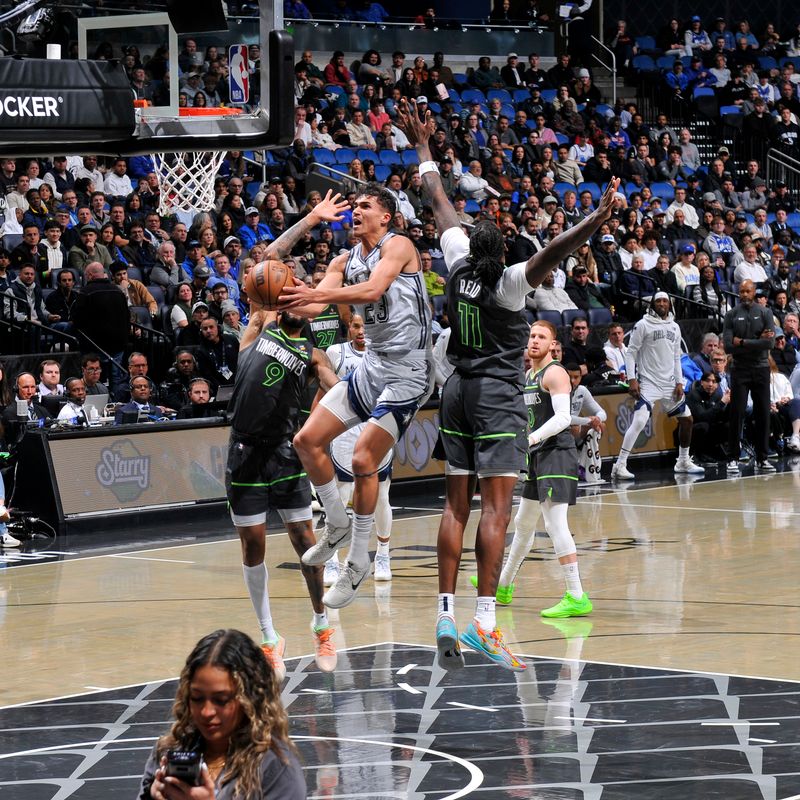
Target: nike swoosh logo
x,y
333,544
356,585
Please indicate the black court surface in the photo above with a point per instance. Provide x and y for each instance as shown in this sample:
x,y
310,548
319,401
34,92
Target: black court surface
x,y
390,724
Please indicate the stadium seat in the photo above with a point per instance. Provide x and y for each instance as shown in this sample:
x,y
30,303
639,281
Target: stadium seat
x,y
605,110
548,95
562,138
599,316
790,59
553,317
455,97
508,110
793,220
767,62
142,316
472,207
345,155
135,274
410,157
646,42
166,323
665,62
703,91
158,294
390,157
591,187
435,108
323,156
571,314
460,79
663,190
723,110
644,64
503,95
382,172
521,95
562,187
471,95
363,154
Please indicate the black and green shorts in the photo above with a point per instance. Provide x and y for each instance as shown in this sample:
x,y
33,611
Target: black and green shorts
x,y
552,475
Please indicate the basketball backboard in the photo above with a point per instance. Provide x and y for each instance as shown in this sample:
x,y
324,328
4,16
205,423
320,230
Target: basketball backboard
x,y
258,102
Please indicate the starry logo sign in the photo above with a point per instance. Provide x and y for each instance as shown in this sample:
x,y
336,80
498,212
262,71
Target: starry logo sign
x,y
124,470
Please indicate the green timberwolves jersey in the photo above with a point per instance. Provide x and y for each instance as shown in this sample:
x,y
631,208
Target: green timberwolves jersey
x,y
326,328
539,405
270,380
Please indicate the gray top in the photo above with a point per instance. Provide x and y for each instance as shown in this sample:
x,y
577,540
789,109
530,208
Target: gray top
x,y
747,324
279,781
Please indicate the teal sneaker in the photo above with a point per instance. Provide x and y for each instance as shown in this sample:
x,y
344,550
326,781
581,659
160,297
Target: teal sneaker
x,y
491,645
449,655
568,606
503,595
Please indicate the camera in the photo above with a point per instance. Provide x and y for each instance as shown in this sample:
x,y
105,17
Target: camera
x,y
185,765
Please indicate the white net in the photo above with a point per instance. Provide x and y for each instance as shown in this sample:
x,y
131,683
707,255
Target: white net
x,y
186,180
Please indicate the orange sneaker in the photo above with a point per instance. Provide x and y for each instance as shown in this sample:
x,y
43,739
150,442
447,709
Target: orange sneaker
x,y
273,652
324,649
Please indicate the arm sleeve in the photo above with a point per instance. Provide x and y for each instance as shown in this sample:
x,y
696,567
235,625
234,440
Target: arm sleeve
x,y
592,407
558,422
513,288
633,349
677,352
455,245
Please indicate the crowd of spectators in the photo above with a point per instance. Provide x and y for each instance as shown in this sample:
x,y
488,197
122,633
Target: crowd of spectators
x,y
86,253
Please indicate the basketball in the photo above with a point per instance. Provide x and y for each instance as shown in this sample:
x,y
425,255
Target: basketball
x,y
266,280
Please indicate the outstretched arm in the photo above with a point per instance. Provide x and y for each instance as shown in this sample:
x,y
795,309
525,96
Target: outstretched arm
x,y
419,134
329,210
540,264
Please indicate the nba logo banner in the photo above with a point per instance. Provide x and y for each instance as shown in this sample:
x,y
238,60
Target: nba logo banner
x,y
239,73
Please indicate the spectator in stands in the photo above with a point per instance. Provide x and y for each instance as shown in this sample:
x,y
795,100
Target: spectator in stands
x,y
561,74
575,349
336,73
59,177
88,251
59,303
198,404
696,41
30,251
720,247
609,263
786,133
548,297
623,44
29,304
676,79
709,345
685,272
583,293
174,389
791,327
218,353
49,378
784,357
182,311
166,271
615,348
25,390
53,248
100,314
512,73
91,371
358,133
486,76
784,406
750,268
709,407
136,293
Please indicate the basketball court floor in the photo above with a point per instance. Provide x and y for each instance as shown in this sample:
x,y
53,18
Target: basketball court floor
x,y
683,683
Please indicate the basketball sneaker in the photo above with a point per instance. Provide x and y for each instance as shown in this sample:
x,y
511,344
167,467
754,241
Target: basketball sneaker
x,y
490,644
794,443
273,652
732,468
620,472
687,466
383,568
7,540
331,572
503,595
765,466
449,655
568,606
329,542
343,592
324,648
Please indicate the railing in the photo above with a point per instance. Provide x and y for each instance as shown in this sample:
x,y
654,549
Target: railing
x,y
781,167
24,336
612,67
684,307
156,346
338,172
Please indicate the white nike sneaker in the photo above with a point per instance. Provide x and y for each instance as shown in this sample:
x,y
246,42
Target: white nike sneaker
x,y
343,592
383,568
329,542
687,466
621,473
794,443
7,540
331,571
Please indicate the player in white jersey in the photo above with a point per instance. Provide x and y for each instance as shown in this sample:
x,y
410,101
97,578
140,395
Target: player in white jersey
x,y
587,425
381,276
653,366
345,357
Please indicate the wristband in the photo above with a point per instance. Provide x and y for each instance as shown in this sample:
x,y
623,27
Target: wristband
x,y
428,166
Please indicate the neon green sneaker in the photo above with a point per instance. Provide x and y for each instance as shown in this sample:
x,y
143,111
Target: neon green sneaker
x,y
503,595
568,606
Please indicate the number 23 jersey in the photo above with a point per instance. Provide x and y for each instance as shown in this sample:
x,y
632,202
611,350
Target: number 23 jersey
x,y
400,322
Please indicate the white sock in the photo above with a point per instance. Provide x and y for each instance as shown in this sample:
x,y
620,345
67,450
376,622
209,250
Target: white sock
x,y
524,535
383,511
257,581
383,548
636,426
447,605
622,458
359,546
320,621
683,452
572,578
328,494
484,613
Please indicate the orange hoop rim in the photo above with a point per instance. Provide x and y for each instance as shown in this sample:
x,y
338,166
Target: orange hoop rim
x,y
204,111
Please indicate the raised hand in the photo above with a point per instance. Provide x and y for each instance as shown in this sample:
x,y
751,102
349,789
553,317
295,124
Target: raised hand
x,y
331,208
416,130
606,204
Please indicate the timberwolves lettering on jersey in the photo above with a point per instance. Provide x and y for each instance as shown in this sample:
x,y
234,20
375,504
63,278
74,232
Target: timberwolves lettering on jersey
x,y
540,409
326,329
401,320
486,339
270,381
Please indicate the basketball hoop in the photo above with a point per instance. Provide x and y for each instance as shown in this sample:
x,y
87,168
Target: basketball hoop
x,y
186,179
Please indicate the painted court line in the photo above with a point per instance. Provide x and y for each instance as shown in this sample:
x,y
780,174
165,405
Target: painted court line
x,y
148,558
406,688
736,724
473,708
762,741
714,510
592,719
406,669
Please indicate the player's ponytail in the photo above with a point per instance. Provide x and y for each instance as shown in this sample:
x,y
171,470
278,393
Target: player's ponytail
x,y
486,252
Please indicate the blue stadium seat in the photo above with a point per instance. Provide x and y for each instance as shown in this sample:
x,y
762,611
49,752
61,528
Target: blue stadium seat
x,y
703,91
472,207
470,95
793,59
410,157
630,189
644,64
599,316
605,110
590,187
323,156
646,42
455,97
571,314
158,294
390,157
382,172
135,274
767,62
663,190
344,156
435,108
561,187
331,88
723,110
665,62
521,95
770,217
460,78
530,123
793,220
363,154
508,109
503,95
553,317
562,138
548,95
